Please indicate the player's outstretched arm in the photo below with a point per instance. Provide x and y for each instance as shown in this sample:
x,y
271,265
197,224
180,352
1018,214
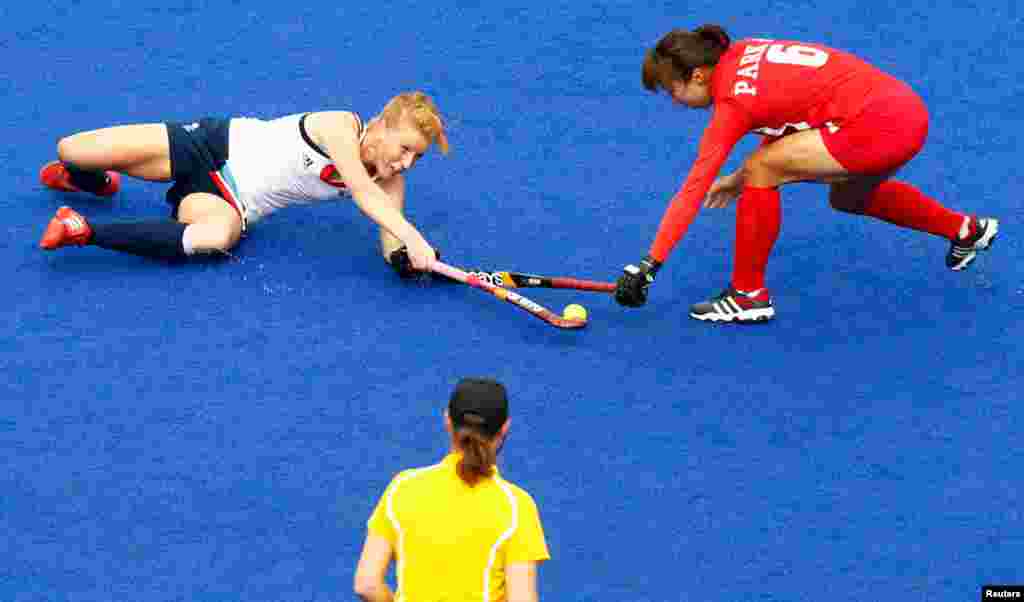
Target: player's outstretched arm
x,y
727,126
394,189
337,131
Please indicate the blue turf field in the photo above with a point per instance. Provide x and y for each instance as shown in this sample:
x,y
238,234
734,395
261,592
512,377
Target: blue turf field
x,y
219,431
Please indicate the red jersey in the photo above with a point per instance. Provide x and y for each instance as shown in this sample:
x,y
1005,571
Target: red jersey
x,y
769,87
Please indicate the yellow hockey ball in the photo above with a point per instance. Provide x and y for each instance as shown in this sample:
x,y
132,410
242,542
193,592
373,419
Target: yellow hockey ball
x,y
574,311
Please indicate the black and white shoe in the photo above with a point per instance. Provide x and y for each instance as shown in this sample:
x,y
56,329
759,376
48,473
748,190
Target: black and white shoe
x,y
732,305
980,234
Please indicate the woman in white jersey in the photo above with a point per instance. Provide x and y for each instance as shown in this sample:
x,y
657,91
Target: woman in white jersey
x,y
230,173
457,530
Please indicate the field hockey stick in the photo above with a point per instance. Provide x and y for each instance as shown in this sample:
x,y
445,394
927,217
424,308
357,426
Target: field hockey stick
x,y
535,309
507,279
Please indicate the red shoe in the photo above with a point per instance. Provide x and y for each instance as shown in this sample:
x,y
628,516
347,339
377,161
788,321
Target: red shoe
x,y
68,227
55,175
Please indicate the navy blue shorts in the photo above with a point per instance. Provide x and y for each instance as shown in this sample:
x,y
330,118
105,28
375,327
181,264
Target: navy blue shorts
x,y
198,149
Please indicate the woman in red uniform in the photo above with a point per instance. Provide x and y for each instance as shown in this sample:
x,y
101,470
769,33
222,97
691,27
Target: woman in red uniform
x,y
827,117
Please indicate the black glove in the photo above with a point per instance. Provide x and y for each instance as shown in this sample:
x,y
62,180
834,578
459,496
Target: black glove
x,y
402,265
631,288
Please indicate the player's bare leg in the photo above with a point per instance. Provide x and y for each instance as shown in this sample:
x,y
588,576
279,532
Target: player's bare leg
x,y
90,161
213,225
852,195
141,151
798,157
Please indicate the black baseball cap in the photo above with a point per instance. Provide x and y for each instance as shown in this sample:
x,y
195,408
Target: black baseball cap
x,y
480,403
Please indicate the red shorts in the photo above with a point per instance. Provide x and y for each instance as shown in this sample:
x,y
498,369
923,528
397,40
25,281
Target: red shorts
x,y
887,132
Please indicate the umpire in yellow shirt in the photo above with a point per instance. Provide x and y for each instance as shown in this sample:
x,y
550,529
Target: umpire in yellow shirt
x,y
457,531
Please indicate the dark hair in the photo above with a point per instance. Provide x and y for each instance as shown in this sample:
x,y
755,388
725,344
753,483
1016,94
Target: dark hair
x,y
679,52
478,455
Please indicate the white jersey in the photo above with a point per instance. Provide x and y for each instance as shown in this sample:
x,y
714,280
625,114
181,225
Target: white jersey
x,y
274,163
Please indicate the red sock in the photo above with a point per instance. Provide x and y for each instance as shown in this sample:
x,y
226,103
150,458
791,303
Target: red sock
x,y
906,206
758,216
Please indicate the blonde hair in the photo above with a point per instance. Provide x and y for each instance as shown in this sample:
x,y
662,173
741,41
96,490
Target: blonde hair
x,y
421,111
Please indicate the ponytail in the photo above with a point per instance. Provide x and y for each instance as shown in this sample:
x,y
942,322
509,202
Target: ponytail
x,y
679,52
715,36
478,455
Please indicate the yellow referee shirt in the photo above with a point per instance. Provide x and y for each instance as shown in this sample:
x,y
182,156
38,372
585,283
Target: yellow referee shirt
x,y
452,541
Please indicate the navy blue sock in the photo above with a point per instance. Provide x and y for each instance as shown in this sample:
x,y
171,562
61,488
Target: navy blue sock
x,y
150,239
87,179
